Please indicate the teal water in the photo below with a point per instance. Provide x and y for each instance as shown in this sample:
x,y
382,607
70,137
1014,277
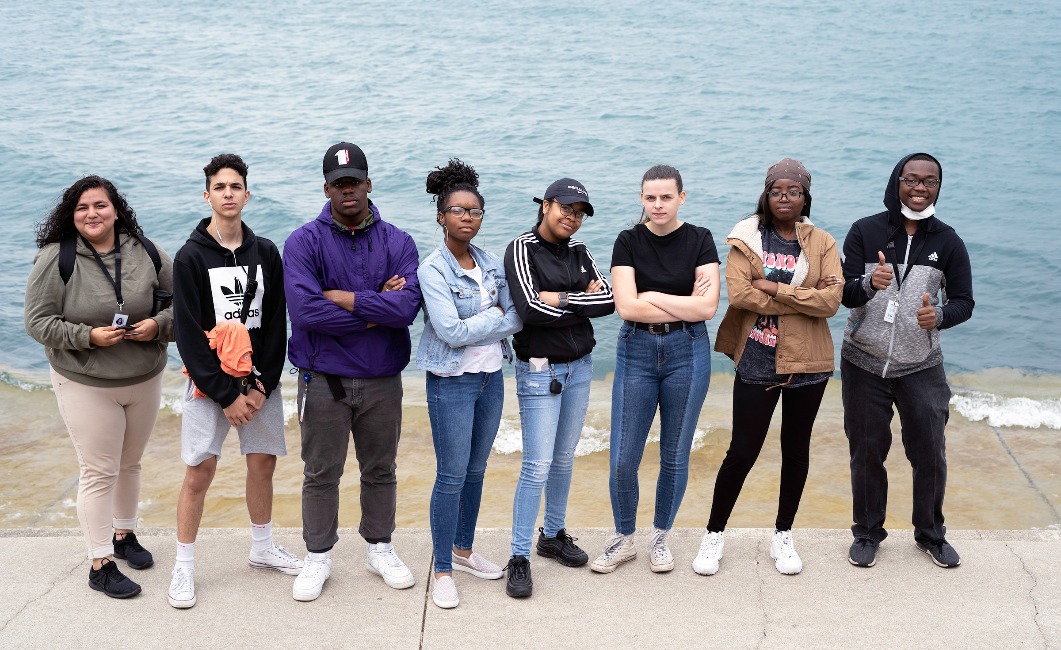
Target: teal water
x,y
530,92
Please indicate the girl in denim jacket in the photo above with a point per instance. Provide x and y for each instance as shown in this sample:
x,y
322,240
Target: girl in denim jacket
x,y
468,316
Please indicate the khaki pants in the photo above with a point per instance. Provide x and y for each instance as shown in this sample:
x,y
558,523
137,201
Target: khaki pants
x,y
110,428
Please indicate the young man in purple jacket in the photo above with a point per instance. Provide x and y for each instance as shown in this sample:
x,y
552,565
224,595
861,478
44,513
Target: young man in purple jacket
x,y
352,292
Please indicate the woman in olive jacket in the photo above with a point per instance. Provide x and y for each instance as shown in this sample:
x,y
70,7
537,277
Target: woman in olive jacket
x,y
784,280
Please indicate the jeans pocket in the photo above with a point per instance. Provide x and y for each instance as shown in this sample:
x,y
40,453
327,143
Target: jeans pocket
x,y
697,331
625,330
531,383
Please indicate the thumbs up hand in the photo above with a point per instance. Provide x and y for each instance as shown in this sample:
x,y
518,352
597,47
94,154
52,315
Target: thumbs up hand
x,y
926,315
882,275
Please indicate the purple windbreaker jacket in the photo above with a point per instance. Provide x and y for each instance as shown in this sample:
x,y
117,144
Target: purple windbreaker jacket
x,y
326,338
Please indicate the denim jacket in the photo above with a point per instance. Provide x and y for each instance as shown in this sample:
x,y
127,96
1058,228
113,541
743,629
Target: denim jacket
x,y
452,320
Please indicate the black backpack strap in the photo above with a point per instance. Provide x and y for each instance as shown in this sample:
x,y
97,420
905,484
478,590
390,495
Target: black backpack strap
x,y
152,252
67,256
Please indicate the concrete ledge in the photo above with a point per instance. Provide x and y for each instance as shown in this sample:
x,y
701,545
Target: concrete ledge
x,y
1005,594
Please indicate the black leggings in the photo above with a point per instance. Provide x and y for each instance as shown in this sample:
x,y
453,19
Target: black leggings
x,y
753,406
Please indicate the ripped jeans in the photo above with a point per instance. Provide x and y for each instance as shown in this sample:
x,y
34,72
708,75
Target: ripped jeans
x,y
551,425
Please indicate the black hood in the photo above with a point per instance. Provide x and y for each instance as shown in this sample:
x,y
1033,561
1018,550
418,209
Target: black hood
x,y
891,193
202,237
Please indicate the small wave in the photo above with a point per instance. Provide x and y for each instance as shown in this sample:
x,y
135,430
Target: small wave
x,y
25,385
1008,411
509,438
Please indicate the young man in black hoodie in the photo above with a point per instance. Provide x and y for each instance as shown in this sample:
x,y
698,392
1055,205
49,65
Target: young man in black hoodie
x,y
225,277
907,277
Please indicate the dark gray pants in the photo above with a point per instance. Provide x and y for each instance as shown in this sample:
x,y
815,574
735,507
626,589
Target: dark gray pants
x,y
371,413
923,401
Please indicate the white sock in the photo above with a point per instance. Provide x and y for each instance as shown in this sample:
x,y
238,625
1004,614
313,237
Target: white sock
x,y
261,537
186,555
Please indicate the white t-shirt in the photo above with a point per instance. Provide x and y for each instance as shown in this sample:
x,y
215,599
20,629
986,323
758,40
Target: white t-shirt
x,y
479,358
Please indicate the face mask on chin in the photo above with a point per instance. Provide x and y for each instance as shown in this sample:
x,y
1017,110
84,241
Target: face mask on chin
x,y
917,216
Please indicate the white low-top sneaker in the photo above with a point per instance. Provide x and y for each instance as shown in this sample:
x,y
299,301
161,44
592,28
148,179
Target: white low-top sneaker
x,y
310,581
182,588
276,558
783,552
478,566
706,561
444,593
384,562
618,549
659,556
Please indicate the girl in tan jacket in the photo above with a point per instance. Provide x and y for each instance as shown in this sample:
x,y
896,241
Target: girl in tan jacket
x,y
784,280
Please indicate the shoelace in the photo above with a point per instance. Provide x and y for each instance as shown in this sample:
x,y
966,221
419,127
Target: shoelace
x,y
282,552
787,548
658,544
131,542
519,567
389,556
613,545
183,581
710,543
313,569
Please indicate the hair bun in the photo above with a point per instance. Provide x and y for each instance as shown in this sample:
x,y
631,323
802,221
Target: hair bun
x,y
454,173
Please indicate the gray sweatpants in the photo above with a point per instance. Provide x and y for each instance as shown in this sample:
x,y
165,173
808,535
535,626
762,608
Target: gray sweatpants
x,y
371,413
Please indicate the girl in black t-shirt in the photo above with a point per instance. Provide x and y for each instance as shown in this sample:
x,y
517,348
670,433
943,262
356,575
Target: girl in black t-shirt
x,y
784,281
666,284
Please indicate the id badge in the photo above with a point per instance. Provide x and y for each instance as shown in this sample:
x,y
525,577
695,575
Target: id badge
x,y
120,320
889,313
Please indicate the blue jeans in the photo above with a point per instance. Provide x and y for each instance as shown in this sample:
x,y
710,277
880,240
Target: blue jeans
x,y
465,412
671,371
552,425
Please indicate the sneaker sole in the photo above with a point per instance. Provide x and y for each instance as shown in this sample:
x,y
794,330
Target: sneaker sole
x,y
150,563
561,559
107,593
180,604
393,584
477,574
445,604
934,560
306,596
291,571
860,565
612,567
519,594
783,572
662,568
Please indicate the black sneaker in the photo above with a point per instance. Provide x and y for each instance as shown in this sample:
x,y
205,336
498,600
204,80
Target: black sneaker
x,y
111,581
519,583
863,552
561,548
129,549
942,553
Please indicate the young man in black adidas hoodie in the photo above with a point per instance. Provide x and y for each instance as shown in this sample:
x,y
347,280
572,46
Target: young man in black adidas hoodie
x,y
907,277
224,273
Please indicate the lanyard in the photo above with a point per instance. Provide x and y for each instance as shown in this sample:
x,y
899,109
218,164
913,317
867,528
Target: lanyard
x,y
911,257
117,279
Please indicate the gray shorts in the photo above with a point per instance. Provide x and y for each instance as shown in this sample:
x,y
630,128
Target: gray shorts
x,y
204,428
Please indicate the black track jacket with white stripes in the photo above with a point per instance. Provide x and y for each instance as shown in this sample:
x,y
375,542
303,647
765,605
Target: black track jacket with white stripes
x,y
532,265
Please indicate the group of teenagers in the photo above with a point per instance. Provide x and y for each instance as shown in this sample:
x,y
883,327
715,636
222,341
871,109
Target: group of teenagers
x,y
104,301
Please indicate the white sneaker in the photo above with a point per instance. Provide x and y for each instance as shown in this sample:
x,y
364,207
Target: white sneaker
x,y
783,551
384,562
659,556
478,566
706,562
618,549
276,558
315,571
445,593
182,588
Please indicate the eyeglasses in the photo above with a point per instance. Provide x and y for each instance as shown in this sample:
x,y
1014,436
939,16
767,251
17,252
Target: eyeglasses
x,y
458,212
568,211
791,194
913,182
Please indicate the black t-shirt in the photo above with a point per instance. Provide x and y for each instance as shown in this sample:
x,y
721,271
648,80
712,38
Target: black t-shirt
x,y
665,263
758,363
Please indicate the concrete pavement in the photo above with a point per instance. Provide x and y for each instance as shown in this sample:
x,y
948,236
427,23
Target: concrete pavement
x,y
1005,594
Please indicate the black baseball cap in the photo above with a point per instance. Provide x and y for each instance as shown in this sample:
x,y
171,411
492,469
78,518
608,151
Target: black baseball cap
x,y
345,160
567,191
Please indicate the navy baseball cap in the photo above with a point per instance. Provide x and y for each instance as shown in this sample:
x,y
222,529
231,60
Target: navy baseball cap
x,y
345,160
567,191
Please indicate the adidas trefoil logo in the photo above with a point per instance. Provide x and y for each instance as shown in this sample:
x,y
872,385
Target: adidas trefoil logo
x,y
235,294
933,257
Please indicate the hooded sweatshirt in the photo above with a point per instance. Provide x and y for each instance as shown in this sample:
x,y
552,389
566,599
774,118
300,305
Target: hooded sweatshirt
x,y
938,265
208,286
326,338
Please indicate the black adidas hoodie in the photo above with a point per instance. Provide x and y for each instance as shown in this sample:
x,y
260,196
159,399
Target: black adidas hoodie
x,y
208,288
939,266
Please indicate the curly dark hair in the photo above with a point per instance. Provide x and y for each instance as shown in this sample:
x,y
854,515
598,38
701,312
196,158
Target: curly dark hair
x,y
225,161
456,176
59,224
